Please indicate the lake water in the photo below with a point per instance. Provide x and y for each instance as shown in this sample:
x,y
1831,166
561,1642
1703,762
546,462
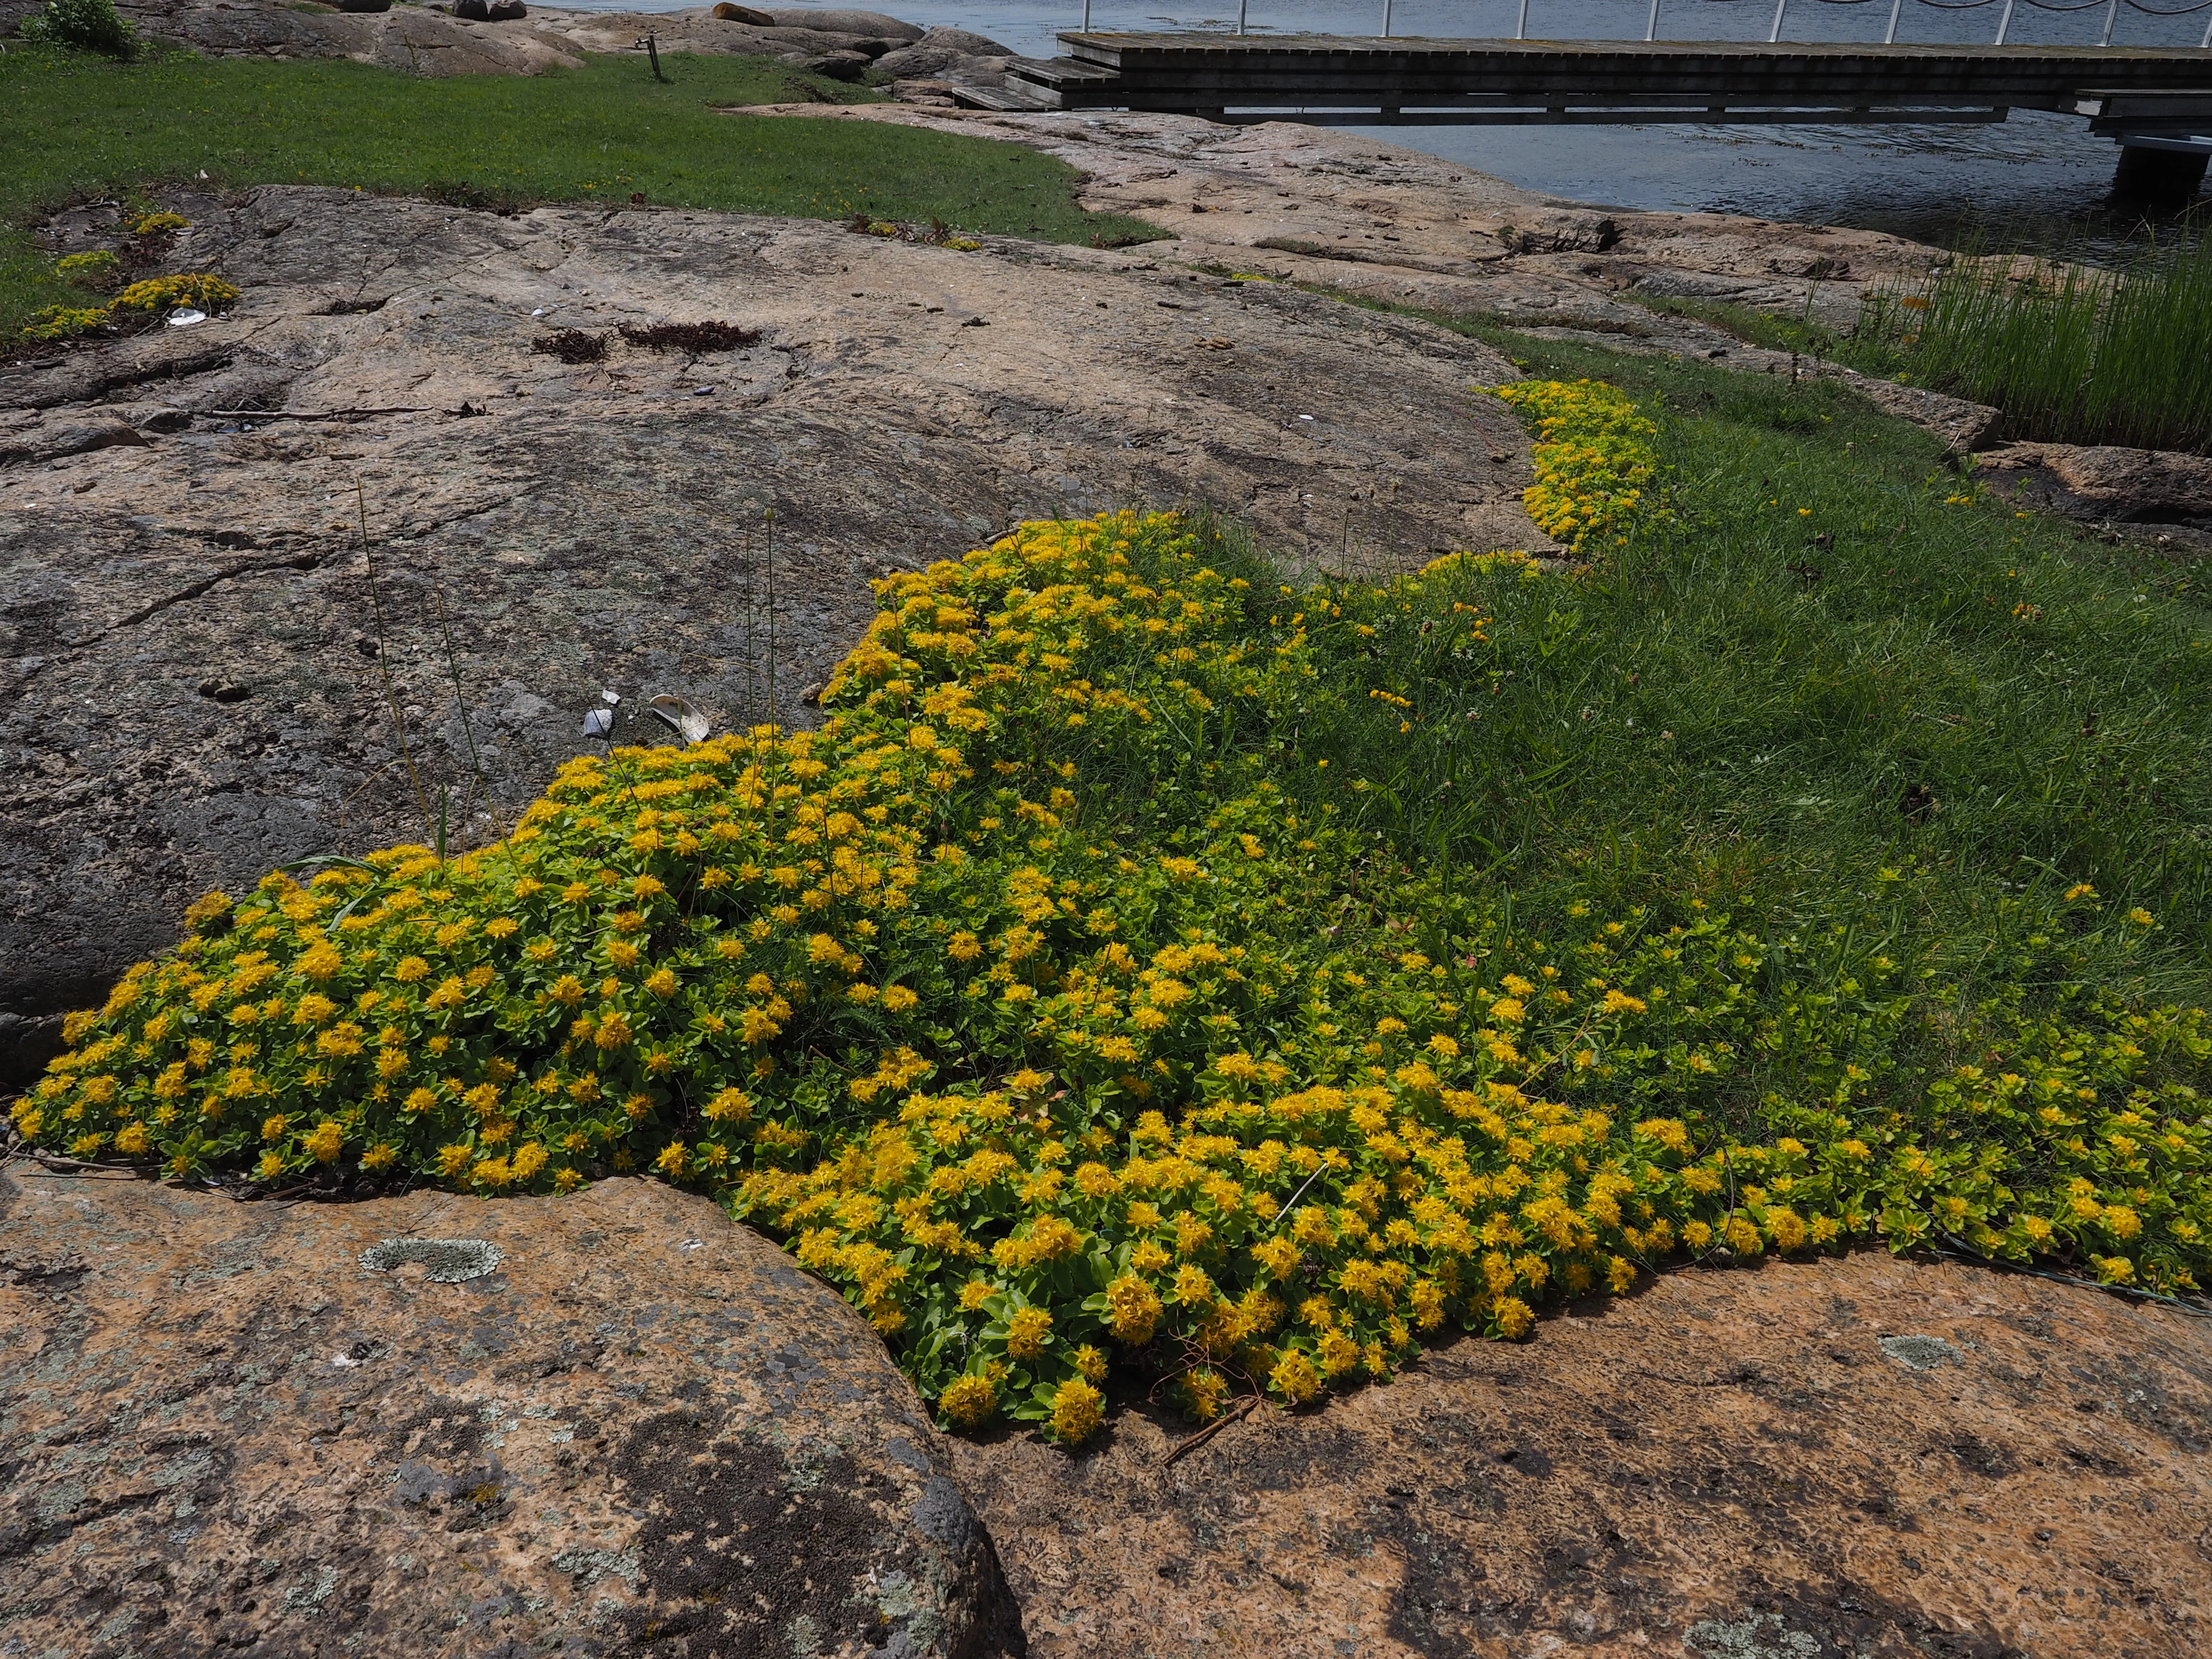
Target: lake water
x,y
2034,181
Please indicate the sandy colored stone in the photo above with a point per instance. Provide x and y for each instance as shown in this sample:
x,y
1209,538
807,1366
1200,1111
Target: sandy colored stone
x,y
1386,224
1963,425
1851,1457
1377,219
420,39
412,40
644,1430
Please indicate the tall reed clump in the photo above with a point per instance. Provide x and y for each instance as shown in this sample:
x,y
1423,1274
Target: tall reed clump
x,y
2070,352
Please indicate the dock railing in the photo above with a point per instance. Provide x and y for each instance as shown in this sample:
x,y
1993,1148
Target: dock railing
x,y
2110,8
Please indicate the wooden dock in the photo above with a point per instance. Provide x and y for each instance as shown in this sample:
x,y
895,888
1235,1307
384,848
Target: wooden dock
x,y
1342,80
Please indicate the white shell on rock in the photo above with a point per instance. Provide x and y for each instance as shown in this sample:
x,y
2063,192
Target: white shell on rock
x,y
685,721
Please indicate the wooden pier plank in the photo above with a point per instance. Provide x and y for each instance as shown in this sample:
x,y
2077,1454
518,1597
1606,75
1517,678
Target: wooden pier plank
x,y
1210,71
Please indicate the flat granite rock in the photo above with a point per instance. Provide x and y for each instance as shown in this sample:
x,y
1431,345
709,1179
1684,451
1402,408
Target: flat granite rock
x,y
201,682
2107,482
1853,1458
411,40
590,1425
416,39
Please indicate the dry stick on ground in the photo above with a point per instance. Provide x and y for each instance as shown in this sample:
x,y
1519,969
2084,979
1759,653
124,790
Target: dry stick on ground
x,y
752,700
461,702
346,805
771,615
55,1165
383,666
319,413
1236,1414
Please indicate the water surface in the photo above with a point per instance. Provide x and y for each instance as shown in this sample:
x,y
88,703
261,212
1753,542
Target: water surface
x,y
2037,179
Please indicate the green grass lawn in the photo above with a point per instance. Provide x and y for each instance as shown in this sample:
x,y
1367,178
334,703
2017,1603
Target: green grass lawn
x,y
73,126
1845,658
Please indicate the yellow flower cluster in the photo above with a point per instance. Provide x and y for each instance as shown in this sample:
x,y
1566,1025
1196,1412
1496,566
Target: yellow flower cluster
x,y
166,293
1593,458
135,303
96,269
1002,997
938,235
64,322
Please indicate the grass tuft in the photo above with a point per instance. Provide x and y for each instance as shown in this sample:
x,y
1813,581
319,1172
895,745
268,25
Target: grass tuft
x,y
2070,352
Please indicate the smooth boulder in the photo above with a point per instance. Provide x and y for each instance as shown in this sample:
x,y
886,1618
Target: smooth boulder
x,y
849,66
439,1427
944,51
833,20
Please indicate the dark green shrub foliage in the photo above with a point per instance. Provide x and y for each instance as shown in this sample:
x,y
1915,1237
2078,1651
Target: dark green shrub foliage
x,y
88,25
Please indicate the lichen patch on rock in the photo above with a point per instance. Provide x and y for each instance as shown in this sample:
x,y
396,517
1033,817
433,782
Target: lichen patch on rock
x,y
443,1261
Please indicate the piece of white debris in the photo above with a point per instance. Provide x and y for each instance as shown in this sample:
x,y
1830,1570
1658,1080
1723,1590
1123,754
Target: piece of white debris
x,y
681,718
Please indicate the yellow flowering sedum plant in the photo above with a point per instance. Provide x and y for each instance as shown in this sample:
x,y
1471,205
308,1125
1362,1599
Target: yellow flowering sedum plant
x,y
137,305
1050,1002
1593,460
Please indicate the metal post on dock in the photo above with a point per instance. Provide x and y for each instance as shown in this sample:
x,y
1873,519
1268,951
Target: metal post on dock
x,y
1895,7
1775,33
1521,29
2112,13
1651,29
1086,16
2004,22
1240,5
1386,19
